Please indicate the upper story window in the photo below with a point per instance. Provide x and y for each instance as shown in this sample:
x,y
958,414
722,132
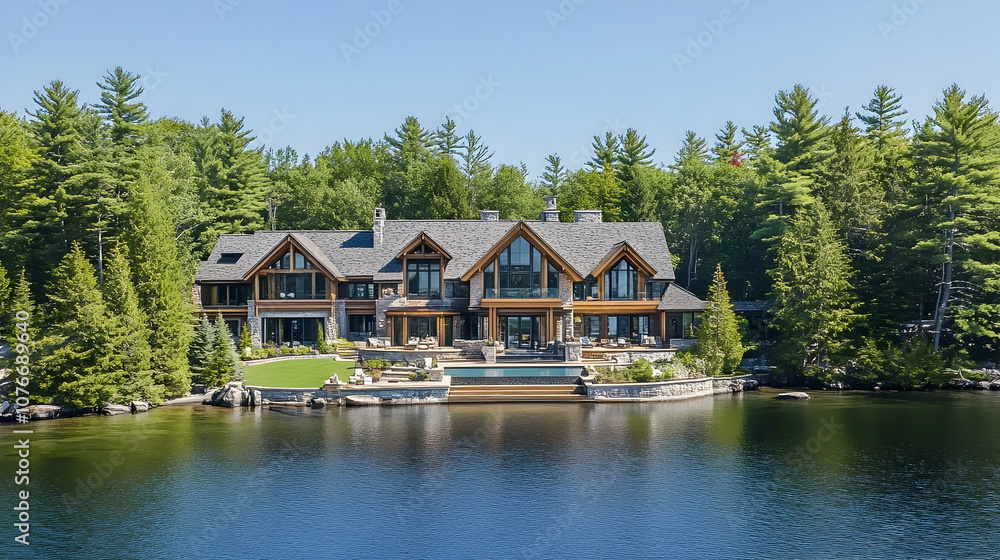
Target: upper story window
x,y
302,262
621,282
284,262
225,294
229,258
519,274
585,290
357,290
423,278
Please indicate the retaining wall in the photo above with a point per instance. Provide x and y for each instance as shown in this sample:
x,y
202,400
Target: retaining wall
x,y
669,390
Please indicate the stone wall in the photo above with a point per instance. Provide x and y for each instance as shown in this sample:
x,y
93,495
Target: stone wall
x,y
381,305
670,390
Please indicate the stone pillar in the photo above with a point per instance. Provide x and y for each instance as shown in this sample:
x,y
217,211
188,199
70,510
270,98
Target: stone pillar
x,y
253,324
574,352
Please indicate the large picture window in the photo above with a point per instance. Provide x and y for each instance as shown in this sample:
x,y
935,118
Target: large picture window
x,y
519,273
225,294
621,282
423,279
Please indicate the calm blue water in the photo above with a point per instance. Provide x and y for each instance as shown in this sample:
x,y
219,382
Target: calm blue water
x,y
533,371
853,475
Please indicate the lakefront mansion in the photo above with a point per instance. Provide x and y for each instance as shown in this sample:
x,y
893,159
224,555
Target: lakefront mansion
x,y
525,283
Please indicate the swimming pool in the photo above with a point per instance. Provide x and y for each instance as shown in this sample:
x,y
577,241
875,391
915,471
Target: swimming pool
x,y
531,371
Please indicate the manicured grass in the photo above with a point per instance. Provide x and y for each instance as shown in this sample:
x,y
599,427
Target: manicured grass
x,y
298,373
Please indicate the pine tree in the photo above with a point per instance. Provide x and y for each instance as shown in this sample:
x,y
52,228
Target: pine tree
x,y
16,192
726,146
814,300
639,195
75,345
47,221
719,340
223,364
445,139
119,91
633,153
605,153
693,150
20,300
476,165
554,176
882,127
802,143
758,143
157,278
127,362
411,142
233,183
201,348
958,196
844,182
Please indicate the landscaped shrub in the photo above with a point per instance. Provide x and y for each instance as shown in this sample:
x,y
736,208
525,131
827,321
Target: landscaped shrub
x,y
285,350
301,350
641,371
377,364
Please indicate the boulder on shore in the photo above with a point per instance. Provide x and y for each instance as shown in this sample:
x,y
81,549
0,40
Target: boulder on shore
x,y
139,406
319,402
793,396
111,409
234,394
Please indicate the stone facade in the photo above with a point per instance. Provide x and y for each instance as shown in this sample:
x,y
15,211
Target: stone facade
x,y
253,324
476,290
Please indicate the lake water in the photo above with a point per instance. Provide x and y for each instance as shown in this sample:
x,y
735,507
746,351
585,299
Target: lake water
x,y
744,476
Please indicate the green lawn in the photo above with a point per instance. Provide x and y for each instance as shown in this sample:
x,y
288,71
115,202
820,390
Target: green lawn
x,y
297,373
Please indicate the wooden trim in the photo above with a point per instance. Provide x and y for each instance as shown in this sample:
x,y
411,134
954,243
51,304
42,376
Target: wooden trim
x,y
615,307
288,243
537,242
630,254
423,238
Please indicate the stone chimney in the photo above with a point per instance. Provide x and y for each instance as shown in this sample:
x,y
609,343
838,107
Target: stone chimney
x,y
378,226
550,214
587,216
489,215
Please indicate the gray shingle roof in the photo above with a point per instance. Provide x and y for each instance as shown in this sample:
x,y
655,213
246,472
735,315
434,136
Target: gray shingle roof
x,y
353,253
676,298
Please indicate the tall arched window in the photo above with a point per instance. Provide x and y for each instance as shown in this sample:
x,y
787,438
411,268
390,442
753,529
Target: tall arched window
x,y
621,282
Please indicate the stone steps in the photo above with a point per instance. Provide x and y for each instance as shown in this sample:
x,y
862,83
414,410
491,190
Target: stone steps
x,y
513,393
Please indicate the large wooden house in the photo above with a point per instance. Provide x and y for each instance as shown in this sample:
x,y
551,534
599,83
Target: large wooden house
x,y
526,283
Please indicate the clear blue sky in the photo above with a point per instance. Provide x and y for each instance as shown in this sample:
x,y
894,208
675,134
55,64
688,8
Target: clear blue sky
x,y
535,78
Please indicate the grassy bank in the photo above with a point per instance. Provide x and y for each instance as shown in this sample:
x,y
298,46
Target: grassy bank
x,y
297,373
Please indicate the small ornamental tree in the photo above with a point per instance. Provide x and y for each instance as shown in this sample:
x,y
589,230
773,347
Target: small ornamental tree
x,y
246,341
719,339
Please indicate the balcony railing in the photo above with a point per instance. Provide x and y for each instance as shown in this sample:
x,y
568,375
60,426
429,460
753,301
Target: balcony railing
x,y
521,293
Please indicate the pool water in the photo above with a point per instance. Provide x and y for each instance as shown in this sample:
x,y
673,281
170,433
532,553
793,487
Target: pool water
x,y
532,371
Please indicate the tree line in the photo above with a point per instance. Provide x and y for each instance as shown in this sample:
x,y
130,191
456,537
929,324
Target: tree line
x,y
850,227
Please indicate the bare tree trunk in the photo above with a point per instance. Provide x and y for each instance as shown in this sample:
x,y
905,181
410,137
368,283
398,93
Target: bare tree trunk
x,y
949,244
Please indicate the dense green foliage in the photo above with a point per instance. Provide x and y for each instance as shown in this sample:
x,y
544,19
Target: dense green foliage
x,y
720,342
850,226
